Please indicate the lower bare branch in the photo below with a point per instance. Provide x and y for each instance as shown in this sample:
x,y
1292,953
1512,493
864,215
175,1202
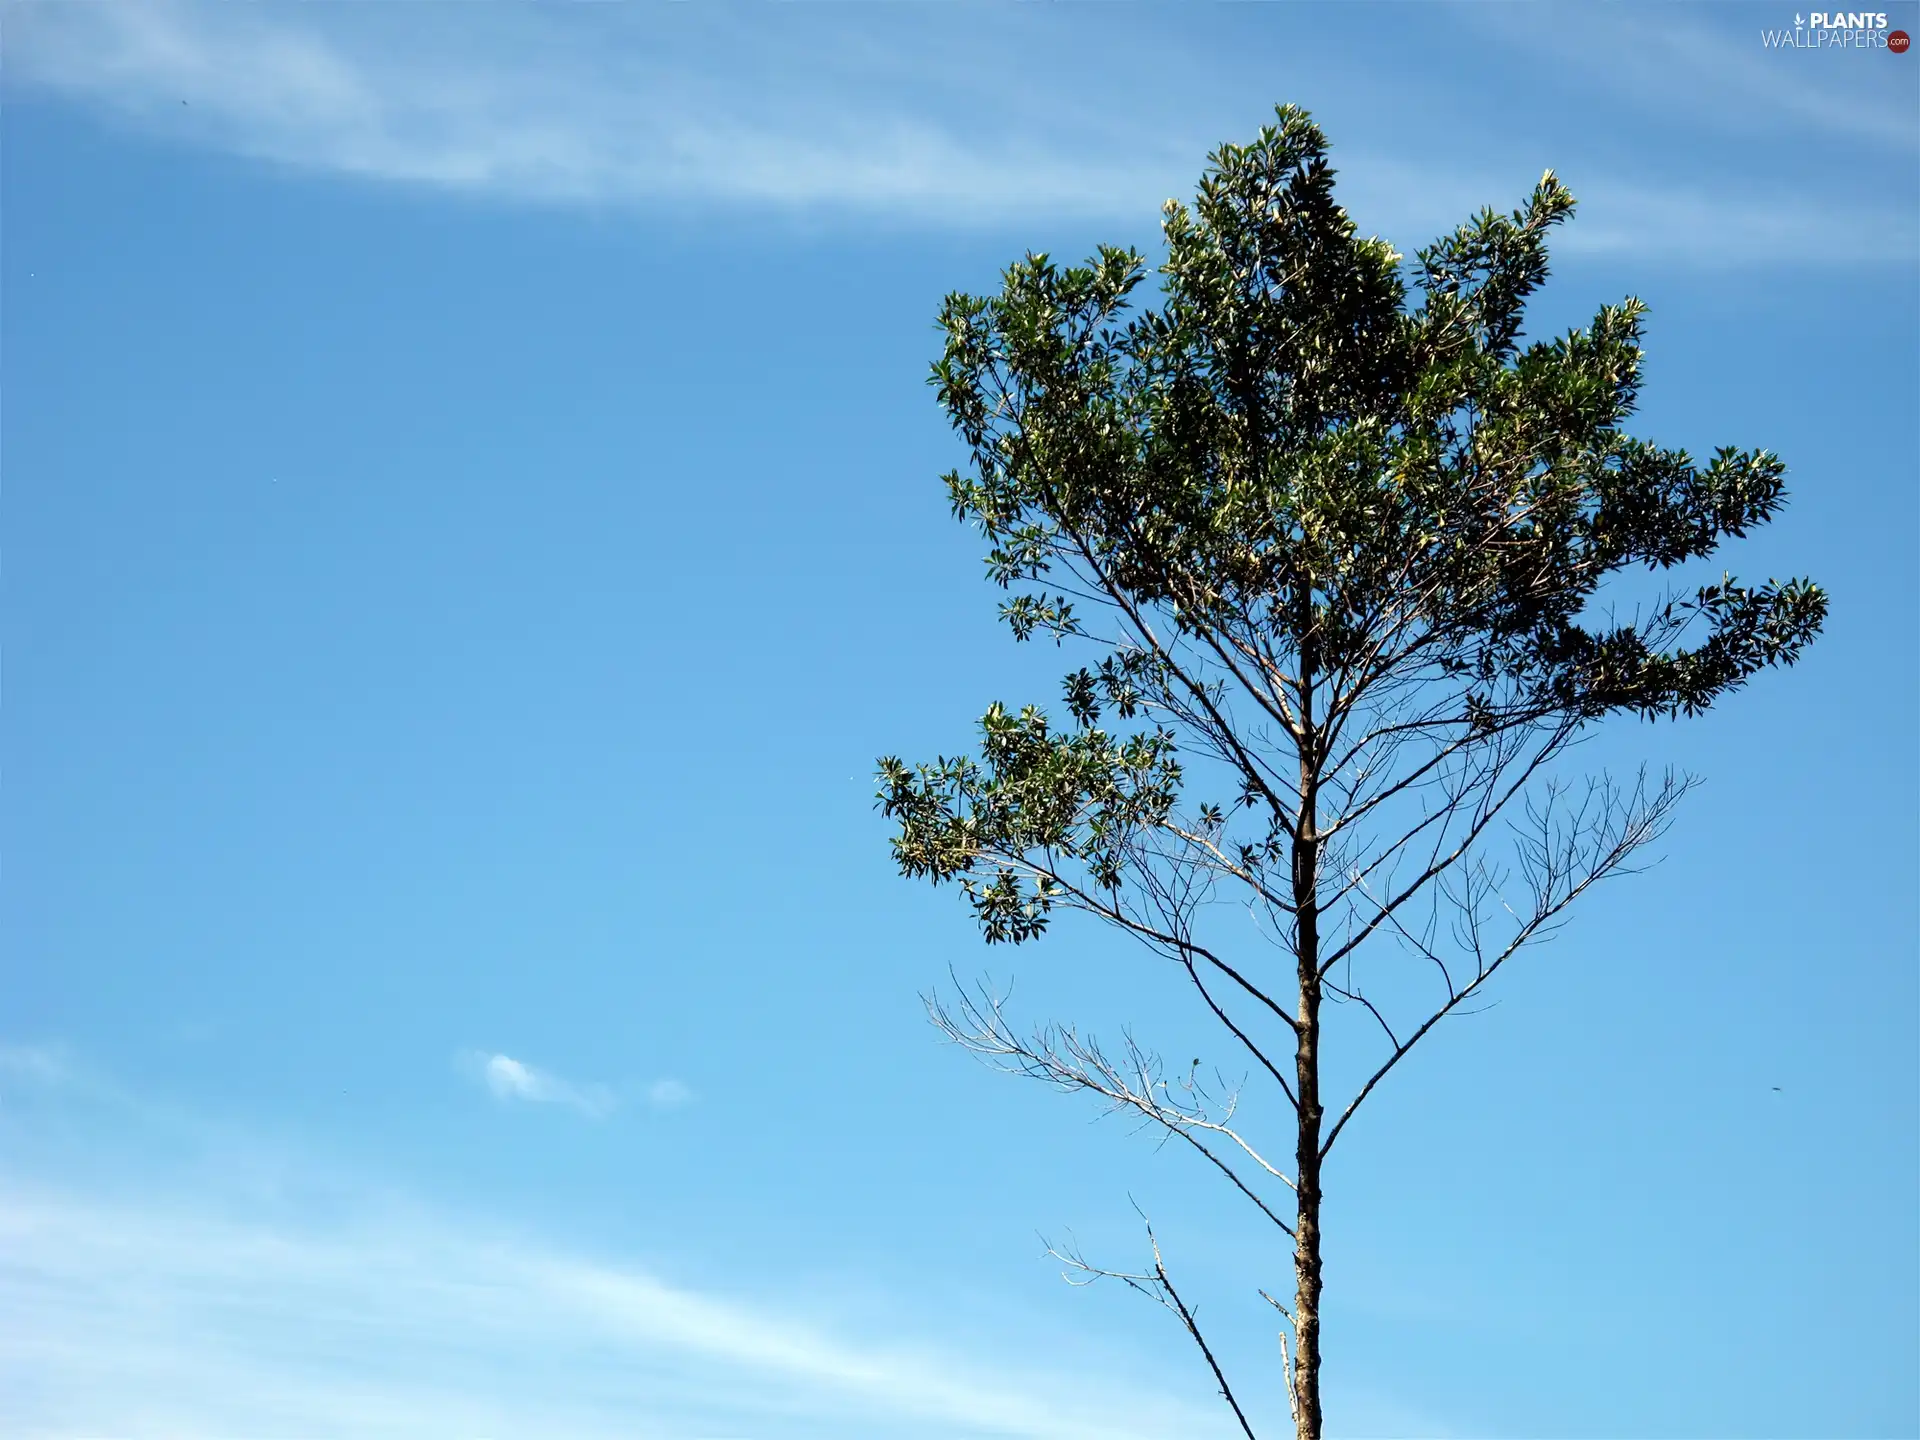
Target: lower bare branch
x,y
1286,1361
1060,1057
1158,1286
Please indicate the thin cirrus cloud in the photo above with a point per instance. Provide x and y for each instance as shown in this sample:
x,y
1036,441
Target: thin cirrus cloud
x,y
921,118
190,1279
606,115
140,1318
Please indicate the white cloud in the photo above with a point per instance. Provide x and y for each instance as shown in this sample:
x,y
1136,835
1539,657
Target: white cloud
x,y
515,1080
668,1095
1713,227
192,1279
146,1319
610,114
926,117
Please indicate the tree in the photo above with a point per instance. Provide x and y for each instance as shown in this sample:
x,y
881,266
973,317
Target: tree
x,y
1346,552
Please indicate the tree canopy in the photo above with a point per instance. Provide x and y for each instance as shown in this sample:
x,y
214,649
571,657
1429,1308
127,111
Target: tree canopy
x,y
1336,535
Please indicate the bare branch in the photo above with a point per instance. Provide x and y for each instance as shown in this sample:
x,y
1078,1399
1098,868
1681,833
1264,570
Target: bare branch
x,y
1484,815
1286,1361
1165,941
1060,1057
1565,858
1158,1287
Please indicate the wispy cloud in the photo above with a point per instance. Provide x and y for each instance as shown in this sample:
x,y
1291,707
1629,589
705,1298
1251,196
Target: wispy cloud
x,y
35,1064
1713,226
926,118
609,115
512,1080
137,1319
1710,66
175,1276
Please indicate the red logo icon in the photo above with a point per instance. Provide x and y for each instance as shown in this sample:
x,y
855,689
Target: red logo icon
x,y
1898,42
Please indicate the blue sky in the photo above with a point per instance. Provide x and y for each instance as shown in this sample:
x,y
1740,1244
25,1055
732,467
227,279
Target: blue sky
x,y
471,521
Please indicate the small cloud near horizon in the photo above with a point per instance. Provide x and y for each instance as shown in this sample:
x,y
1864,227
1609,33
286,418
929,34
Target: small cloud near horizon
x,y
668,1095
514,1081
510,1081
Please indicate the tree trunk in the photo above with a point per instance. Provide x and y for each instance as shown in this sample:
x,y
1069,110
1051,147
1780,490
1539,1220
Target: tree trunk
x,y
1306,1250
1306,903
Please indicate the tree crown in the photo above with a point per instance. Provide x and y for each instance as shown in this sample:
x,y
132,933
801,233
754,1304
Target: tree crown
x,y
1347,525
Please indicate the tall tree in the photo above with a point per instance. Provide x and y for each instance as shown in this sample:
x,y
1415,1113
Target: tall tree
x,y
1342,541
